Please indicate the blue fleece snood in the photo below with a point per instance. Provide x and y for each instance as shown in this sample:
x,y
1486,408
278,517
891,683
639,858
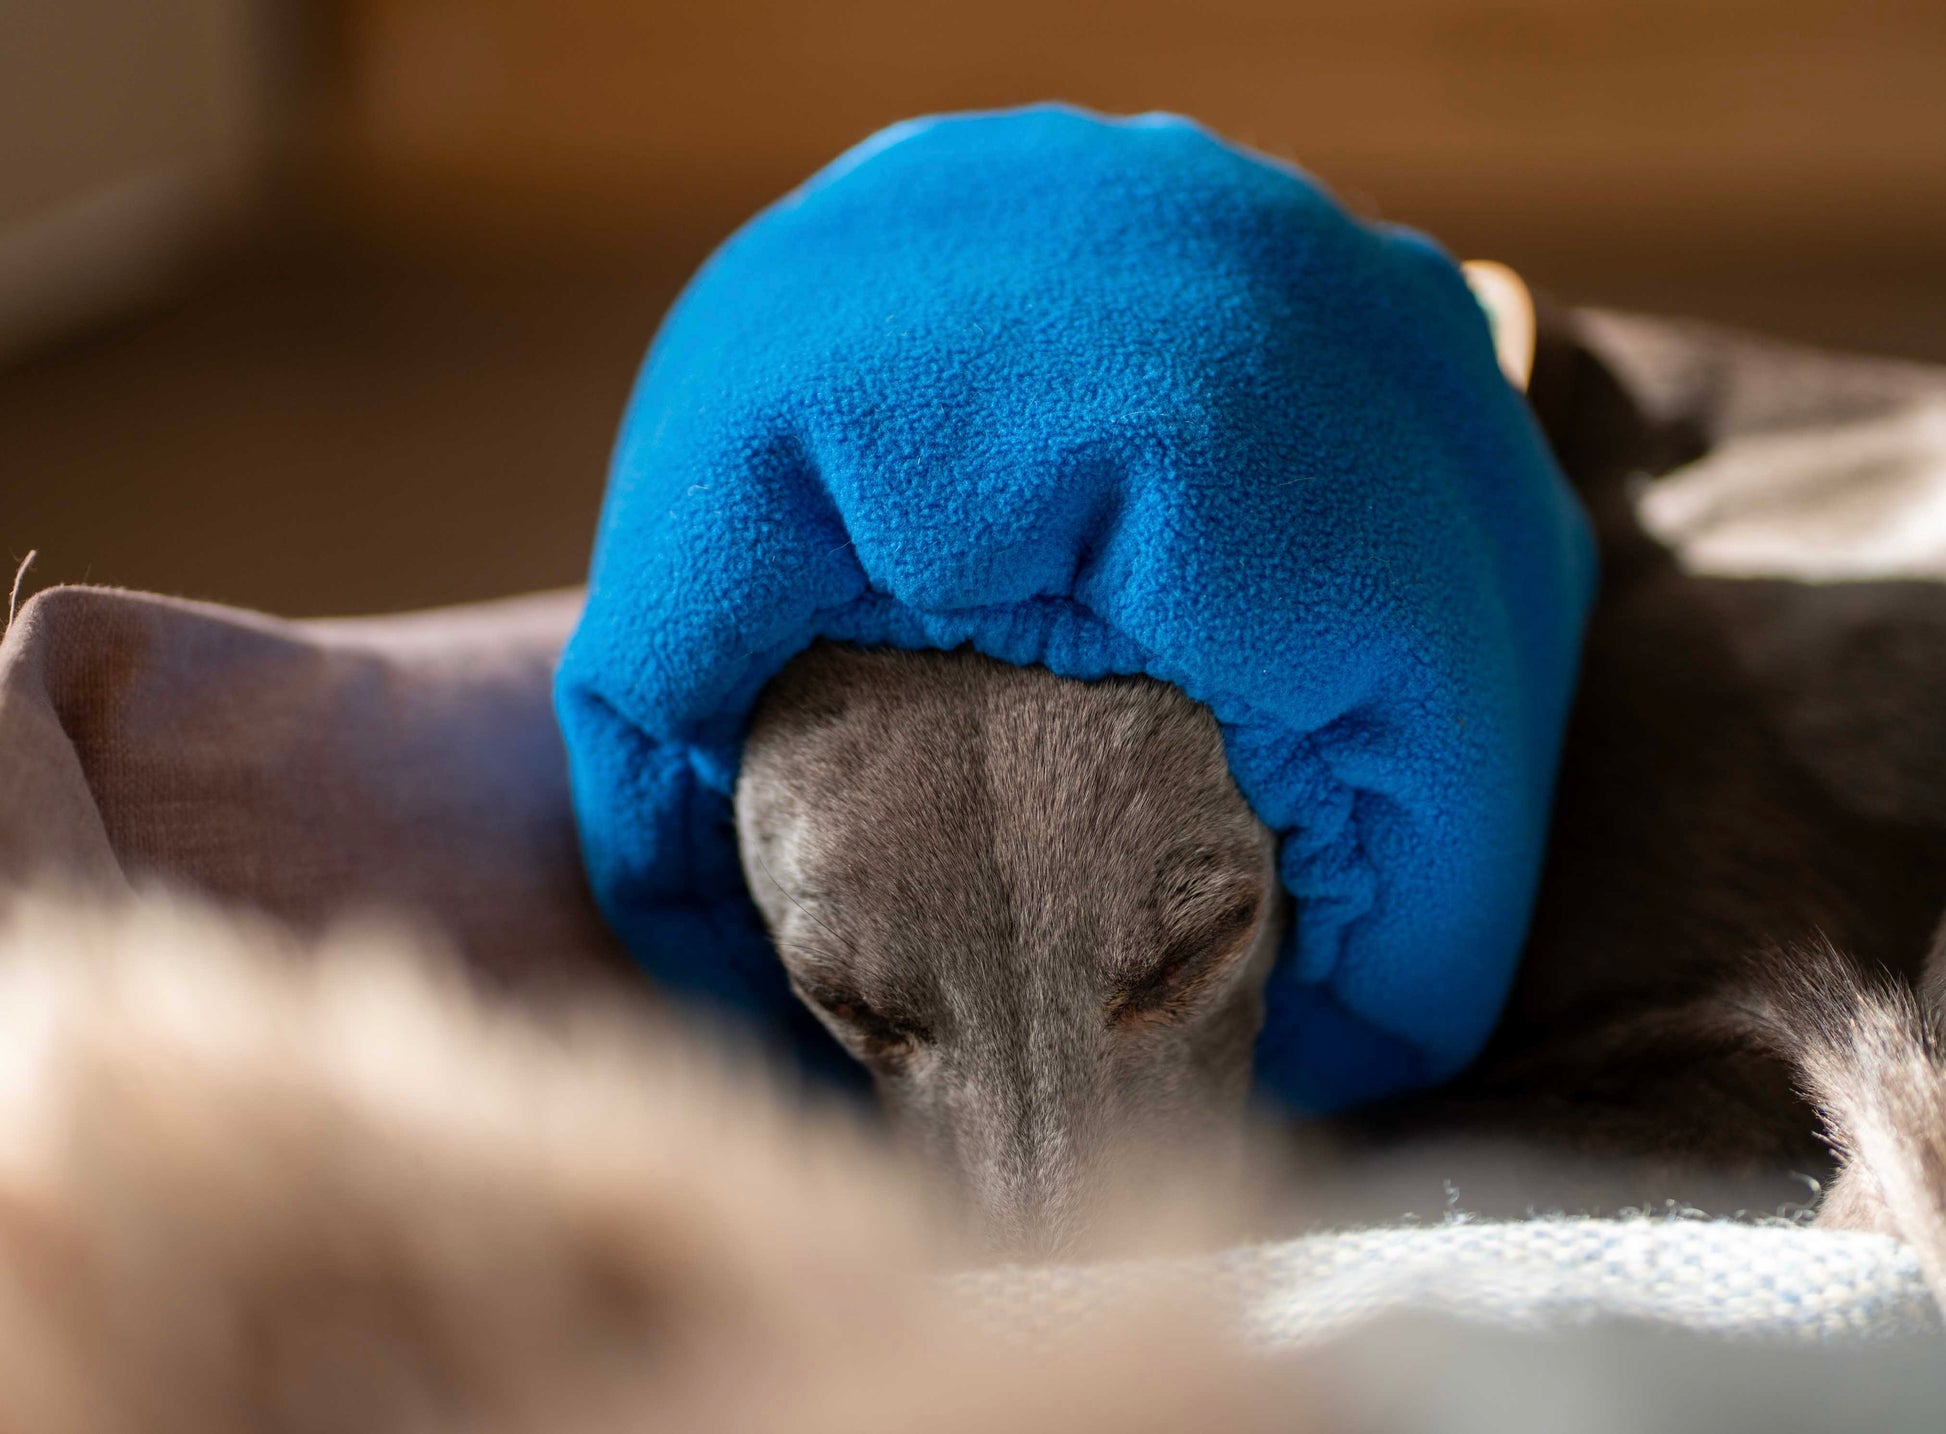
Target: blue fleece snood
x,y
1111,396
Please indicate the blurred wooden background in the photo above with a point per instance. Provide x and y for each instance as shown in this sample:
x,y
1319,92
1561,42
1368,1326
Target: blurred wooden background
x,y
1550,125
398,382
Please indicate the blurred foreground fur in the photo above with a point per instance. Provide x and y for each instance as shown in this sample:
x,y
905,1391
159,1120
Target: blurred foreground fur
x,y
248,1185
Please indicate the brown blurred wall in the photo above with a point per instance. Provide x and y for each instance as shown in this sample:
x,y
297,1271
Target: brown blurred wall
x,y
1606,128
128,131
402,390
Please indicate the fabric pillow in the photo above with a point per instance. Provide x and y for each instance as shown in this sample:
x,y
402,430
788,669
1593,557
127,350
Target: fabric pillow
x,y
406,764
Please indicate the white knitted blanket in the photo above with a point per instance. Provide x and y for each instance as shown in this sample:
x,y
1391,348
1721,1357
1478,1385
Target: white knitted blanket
x,y
1773,1281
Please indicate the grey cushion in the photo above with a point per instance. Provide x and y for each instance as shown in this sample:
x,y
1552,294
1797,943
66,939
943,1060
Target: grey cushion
x,y
408,763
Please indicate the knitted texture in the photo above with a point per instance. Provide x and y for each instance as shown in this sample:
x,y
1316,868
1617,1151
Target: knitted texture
x,y
1745,1281
1111,397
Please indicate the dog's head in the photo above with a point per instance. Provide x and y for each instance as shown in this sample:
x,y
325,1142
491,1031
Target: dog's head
x,y
1036,909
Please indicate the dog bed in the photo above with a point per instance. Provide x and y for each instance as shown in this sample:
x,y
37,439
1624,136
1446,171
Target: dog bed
x,y
412,763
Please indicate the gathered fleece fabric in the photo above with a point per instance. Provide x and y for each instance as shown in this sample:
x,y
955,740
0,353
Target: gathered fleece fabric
x,y
1111,396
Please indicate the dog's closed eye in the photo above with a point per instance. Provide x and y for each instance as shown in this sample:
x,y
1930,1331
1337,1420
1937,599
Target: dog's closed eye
x,y
1203,935
882,1034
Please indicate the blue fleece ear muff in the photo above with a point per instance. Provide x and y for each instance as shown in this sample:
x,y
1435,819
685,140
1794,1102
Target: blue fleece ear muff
x,y
1113,397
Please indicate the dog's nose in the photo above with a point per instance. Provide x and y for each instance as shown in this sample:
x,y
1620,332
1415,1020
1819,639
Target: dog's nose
x,y
1030,1232
1035,1212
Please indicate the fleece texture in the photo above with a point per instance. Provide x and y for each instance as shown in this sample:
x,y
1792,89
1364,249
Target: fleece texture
x,y
1111,396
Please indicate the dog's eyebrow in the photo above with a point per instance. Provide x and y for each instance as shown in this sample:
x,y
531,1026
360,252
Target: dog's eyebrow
x,y
1190,959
